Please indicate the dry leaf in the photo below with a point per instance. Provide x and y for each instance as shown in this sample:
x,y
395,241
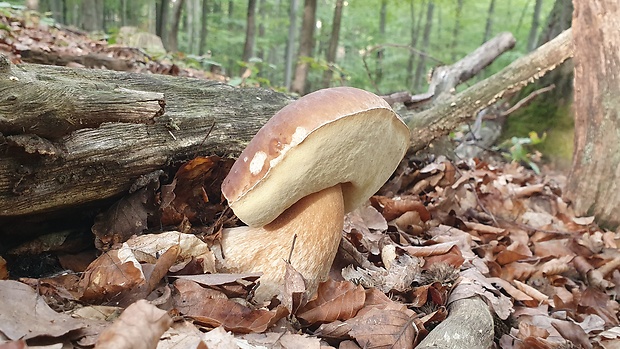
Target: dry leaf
x,y
139,327
335,300
385,328
206,307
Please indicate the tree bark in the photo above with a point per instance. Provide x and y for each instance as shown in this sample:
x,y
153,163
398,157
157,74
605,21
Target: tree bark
x,y
305,47
173,40
415,30
594,180
419,72
250,31
333,43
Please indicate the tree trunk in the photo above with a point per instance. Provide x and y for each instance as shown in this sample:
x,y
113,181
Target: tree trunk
x,y
203,27
456,30
415,31
250,31
594,180
559,20
531,40
290,45
161,19
333,43
305,47
92,15
419,72
488,29
381,52
173,41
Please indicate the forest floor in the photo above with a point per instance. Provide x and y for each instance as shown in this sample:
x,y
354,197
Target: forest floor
x,y
438,231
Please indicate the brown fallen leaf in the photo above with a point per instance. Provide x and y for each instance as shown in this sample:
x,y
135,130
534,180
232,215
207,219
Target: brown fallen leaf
x,y
573,333
25,315
295,295
394,208
139,327
214,309
4,273
335,300
392,327
111,276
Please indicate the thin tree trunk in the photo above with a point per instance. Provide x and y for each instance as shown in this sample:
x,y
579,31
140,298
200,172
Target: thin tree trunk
x,y
305,48
203,27
415,33
290,46
190,11
594,180
261,28
558,20
250,31
173,43
381,52
92,15
161,20
488,29
419,72
531,40
456,30
333,43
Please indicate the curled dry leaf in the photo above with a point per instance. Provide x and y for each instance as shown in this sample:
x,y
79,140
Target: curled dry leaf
x,y
335,300
148,247
212,308
573,333
394,208
295,294
139,327
111,276
532,292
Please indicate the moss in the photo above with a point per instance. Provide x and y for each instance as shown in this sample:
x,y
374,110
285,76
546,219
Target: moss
x,y
545,115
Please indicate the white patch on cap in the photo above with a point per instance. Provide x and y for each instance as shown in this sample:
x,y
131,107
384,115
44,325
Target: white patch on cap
x,y
257,163
297,137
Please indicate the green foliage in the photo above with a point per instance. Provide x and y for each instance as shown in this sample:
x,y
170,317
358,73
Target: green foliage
x,y
521,150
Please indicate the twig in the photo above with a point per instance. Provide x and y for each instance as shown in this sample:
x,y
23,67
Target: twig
x,y
527,99
290,255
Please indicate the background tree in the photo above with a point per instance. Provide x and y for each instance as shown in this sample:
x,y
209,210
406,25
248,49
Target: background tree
x,y
594,180
488,29
531,40
333,43
290,44
305,46
420,70
250,32
172,42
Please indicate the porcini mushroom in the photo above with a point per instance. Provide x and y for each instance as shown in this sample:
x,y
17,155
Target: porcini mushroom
x,y
315,160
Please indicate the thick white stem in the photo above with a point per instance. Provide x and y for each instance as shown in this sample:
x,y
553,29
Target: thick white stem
x,y
315,220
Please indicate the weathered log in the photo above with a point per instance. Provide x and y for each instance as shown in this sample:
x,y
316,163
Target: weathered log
x,y
75,136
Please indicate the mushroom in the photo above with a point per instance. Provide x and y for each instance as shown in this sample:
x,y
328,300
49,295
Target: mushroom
x,y
315,160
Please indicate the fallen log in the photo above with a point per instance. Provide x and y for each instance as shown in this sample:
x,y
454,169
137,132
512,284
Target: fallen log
x,y
74,137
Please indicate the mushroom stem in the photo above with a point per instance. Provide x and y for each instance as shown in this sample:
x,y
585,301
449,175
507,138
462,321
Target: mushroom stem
x,y
317,221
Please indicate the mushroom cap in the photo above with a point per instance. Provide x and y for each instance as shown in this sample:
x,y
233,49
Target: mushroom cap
x,y
336,135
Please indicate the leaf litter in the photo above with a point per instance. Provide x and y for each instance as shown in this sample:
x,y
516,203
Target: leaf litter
x,y
496,231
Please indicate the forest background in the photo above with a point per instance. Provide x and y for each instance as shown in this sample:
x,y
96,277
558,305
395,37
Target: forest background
x,y
382,45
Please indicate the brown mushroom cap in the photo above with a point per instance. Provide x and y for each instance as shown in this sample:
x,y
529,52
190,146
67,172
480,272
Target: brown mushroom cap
x,y
336,135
